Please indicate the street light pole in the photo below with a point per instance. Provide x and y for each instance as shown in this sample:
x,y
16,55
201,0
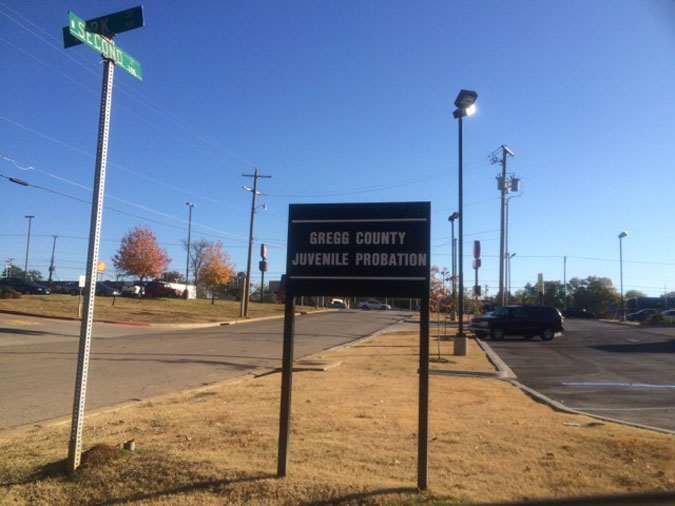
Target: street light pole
x,y
465,106
187,262
452,219
623,309
25,267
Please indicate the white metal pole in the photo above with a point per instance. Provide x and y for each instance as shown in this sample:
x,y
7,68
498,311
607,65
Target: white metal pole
x,y
75,445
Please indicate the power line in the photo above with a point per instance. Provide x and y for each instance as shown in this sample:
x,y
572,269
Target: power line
x,y
145,101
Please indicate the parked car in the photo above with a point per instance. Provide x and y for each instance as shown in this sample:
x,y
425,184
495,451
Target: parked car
x,y
160,289
337,304
577,313
67,287
642,315
25,286
526,321
372,304
131,290
104,289
669,314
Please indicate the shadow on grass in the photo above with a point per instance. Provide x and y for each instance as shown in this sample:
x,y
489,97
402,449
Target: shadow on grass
x,y
360,496
190,487
51,470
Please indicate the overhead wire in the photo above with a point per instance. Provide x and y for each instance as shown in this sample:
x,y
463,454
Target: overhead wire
x,y
129,91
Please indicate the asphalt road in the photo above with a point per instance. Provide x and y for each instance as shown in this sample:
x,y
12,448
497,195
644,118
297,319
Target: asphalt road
x,y
612,370
38,358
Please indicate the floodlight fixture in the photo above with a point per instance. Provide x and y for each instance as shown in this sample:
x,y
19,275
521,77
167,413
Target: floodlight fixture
x,y
465,99
623,234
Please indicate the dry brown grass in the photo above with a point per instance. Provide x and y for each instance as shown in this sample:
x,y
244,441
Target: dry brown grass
x,y
129,309
353,441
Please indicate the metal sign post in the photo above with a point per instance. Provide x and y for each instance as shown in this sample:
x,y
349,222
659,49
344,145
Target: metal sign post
x,y
358,250
111,56
75,445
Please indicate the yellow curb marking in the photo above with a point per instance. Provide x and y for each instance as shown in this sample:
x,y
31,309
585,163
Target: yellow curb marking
x,y
24,322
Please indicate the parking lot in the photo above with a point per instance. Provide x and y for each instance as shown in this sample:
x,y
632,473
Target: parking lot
x,y
611,370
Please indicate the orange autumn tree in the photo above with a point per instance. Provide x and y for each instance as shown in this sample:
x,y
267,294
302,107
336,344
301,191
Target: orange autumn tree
x,y
216,268
140,255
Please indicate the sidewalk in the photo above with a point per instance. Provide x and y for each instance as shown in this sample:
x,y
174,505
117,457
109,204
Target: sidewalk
x,y
353,441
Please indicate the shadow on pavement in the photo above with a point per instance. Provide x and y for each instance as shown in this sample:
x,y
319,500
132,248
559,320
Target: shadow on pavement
x,y
655,347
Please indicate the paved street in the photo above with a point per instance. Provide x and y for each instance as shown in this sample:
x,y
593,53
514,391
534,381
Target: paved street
x,y
612,370
38,358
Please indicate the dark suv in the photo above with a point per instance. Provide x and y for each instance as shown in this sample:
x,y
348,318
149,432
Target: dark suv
x,y
526,321
25,286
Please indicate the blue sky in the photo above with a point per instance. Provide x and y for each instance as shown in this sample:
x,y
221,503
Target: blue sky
x,y
350,101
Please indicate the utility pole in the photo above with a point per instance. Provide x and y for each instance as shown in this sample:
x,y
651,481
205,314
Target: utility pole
x,y
503,187
25,267
243,308
187,262
51,263
565,280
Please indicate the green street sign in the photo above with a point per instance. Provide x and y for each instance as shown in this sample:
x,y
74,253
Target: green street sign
x,y
77,27
109,25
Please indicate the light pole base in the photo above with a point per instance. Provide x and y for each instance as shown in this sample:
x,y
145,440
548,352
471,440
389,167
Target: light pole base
x,y
460,345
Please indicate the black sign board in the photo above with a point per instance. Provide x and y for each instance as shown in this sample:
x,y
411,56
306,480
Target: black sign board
x,y
359,249
108,25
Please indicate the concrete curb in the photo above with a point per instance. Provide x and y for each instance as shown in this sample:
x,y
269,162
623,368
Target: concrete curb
x,y
509,375
503,370
163,325
72,318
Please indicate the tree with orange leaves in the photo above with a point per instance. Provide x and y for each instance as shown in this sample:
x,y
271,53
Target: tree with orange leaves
x,y
140,255
216,268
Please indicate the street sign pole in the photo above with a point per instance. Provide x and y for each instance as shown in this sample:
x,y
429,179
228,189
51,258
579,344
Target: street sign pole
x,y
286,384
75,445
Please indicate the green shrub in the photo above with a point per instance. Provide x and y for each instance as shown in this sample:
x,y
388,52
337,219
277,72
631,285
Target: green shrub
x,y
7,292
660,319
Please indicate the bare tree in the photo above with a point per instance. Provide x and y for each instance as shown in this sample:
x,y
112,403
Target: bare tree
x,y
199,249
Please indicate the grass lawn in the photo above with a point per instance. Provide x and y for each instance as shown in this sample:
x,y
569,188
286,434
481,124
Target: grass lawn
x,y
353,441
130,309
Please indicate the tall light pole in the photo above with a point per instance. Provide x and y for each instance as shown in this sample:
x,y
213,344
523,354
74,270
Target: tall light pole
x,y
465,107
243,308
453,267
25,266
621,236
187,262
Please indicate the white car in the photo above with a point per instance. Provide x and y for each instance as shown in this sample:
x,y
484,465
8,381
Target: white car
x,y
372,304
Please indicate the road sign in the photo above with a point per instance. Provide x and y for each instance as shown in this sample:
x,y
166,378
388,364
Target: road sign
x,y
108,25
359,249
100,267
263,251
78,28
378,249
476,249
